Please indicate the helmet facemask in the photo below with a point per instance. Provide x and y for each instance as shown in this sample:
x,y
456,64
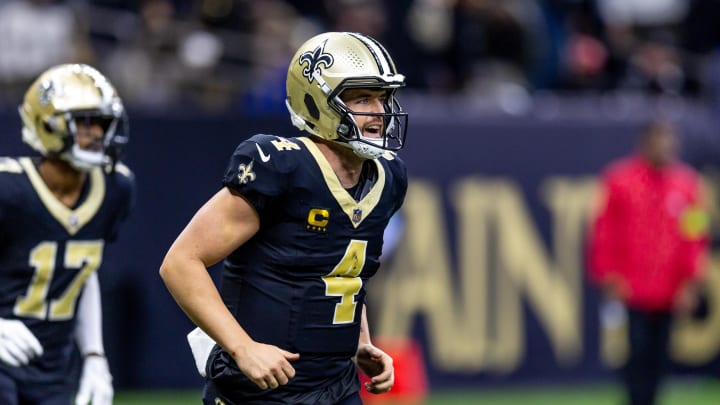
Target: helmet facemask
x,y
85,150
394,121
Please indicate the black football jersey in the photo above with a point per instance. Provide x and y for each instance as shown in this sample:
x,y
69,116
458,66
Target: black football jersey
x,y
299,283
48,250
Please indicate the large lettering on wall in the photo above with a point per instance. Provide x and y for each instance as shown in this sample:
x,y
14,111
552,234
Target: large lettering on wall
x,y
467,271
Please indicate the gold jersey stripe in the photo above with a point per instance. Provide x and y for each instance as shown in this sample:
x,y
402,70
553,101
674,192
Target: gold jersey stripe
x,y
346,201
71,219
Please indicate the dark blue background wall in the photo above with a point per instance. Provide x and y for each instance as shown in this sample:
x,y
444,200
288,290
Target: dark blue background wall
x,y
180,158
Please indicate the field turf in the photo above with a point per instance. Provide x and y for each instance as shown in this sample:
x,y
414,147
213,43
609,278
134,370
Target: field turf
x,y
705,392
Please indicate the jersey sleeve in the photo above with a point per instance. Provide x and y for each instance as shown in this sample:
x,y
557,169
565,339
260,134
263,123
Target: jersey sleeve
x,y
256,172
124,180
402,186
399,178
9,167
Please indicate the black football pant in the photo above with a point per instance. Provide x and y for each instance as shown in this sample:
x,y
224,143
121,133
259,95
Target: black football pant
x,y
649,336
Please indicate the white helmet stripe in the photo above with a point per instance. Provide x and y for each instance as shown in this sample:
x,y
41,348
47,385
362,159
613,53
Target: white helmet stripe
x,y
379,53
386,55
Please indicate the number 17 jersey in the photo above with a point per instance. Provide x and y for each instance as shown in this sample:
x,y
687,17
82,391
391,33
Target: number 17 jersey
x,y
48,250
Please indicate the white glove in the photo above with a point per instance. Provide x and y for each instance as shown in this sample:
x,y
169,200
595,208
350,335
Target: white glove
x,y
201,345
95,383
17,344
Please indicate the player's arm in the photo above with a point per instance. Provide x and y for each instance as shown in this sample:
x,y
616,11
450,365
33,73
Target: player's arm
x,y
18,345
219,227
96,381
374,362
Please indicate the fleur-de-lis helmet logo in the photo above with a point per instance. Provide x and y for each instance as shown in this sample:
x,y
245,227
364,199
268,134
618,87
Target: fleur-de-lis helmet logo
x,y
315,60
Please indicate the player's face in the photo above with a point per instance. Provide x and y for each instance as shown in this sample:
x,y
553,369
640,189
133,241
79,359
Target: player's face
x,y
89,133
367,101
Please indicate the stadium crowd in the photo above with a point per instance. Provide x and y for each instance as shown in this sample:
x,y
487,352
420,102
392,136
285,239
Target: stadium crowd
x,y
227,55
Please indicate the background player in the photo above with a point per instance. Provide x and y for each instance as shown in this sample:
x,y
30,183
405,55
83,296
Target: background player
x,y
57,212
300,222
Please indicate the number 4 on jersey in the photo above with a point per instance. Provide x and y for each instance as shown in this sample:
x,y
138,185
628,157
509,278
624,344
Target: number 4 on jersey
x,y
344,281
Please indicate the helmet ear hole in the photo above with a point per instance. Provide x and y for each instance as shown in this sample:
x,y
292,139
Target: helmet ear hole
x,y
47,126
51,124
311,106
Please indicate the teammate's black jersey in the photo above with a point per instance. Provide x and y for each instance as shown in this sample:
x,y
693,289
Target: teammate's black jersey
x,y
48,250
299,283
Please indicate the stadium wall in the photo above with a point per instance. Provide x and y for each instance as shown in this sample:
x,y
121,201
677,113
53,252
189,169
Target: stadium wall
x,y
488,275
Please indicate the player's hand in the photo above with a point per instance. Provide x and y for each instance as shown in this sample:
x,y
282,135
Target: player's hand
x,y
96,382
17,344
267,366
377,365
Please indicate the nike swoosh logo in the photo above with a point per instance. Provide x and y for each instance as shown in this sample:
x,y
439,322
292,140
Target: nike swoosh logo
x,y
263,156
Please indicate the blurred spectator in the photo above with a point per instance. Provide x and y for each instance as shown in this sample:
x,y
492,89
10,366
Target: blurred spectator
x,y
491,46
701,41
227,54
164,54
495,47
213,53
424,32
417,32
579,49
35,35
647,250
144,62
643,38
277,30
366,16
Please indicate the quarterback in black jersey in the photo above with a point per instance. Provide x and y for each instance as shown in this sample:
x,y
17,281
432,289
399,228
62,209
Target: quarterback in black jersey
x,y
57,212
299,223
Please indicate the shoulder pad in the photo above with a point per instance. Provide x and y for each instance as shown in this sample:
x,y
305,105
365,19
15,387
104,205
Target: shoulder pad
x,y
270,151
274,142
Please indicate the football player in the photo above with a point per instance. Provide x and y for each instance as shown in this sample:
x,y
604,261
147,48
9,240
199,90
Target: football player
x,y
299,221
57,212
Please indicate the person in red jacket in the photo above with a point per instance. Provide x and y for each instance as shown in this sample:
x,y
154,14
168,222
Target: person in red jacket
x,y
647,249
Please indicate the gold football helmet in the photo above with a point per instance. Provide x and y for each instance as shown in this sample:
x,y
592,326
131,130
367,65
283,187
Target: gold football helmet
x,y
325,66
61,97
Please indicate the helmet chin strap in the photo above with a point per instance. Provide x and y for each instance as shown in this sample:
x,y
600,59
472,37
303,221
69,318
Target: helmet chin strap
x,y
85,160
367,150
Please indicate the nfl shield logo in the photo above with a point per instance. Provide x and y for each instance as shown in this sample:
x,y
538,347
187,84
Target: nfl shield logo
x,y
73,221
357,215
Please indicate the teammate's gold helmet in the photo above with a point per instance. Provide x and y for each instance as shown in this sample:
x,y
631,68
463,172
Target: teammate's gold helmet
x,y
325,66
60,97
